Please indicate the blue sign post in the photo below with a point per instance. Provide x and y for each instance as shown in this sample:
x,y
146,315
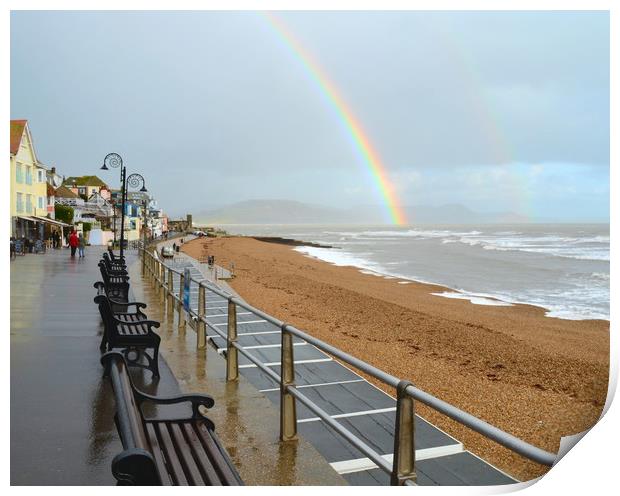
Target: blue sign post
x,y
186,295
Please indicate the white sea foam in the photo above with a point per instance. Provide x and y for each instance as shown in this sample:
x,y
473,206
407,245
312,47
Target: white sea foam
x,y
557,246
569,291
475,299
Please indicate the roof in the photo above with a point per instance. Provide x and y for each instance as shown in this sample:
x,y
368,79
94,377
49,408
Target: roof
x,y
64,192
17,131
50,190
85,181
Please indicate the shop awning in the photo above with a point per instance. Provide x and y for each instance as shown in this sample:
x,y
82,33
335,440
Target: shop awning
x,y
29,219
51,221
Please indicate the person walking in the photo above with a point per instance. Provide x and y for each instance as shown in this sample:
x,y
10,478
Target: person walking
x,y
81,245
73,242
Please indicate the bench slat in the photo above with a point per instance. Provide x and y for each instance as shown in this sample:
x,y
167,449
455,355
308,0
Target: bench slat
x,y
186,458
157,454
169,452
198,451
216,455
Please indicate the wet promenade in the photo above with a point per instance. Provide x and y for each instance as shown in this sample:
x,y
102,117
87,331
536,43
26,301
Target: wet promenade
x,y
62,427
62,430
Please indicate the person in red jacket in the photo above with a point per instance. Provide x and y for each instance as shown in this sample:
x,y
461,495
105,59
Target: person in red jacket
x,y
74,241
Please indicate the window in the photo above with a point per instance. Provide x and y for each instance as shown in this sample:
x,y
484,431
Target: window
x,y
41,176
19,203
40,202
28,174
28,204
19,173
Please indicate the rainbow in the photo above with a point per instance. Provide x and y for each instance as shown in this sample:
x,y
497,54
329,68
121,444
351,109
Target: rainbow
x,y
360,141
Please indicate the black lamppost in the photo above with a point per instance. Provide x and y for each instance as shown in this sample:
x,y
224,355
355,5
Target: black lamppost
x,y
115,161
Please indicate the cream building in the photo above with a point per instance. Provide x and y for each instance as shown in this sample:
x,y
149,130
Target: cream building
x,y
28,184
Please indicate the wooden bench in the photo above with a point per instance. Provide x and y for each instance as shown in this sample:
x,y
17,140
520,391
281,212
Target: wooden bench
x,y
113,268
116,287
116,262
113,271
181,451
115,258
130,331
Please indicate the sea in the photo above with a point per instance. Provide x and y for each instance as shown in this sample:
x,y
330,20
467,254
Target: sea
x,y
563,268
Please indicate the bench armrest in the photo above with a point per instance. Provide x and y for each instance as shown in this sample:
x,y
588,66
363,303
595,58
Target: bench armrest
x,y
137,304
196,400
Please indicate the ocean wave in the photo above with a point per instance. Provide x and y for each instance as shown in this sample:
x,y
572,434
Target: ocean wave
x,y
475,299
556,246
579,295
411,233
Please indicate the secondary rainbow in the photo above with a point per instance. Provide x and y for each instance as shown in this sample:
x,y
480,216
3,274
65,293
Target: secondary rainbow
x,y
360,141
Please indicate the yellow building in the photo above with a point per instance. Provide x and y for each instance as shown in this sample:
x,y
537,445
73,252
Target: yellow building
x,y
28,184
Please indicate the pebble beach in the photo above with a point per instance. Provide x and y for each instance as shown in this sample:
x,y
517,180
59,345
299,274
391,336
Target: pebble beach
x,y
536,377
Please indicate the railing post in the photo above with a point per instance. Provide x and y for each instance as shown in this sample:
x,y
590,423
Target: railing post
x,y
155,268
201,330
162,282
232,358
288,408
143,260
170,292
180,307
403,467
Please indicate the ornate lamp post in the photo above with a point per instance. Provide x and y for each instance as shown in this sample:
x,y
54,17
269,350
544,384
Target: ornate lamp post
x,y
146,206
115,161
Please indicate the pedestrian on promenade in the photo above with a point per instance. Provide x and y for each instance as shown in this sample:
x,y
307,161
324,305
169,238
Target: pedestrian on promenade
x,y
73,242
81,245
13,254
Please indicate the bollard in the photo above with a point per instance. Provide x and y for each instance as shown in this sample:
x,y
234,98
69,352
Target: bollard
x,y
288,409
403,467
180,307
201,328
232,358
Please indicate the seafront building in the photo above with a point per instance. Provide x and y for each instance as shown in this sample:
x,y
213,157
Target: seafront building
x,y
36,190
86,186
28,184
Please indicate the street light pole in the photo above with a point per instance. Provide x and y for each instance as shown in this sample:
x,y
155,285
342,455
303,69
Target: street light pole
x,y
146,203
123,202
114,160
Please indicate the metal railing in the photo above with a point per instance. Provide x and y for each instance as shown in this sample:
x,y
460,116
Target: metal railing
x,y
402,468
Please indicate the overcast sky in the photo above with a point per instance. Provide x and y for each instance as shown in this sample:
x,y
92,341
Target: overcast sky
x,y
498,111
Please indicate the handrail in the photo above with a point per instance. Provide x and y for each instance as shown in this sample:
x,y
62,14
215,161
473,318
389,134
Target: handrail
x,y
503,438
